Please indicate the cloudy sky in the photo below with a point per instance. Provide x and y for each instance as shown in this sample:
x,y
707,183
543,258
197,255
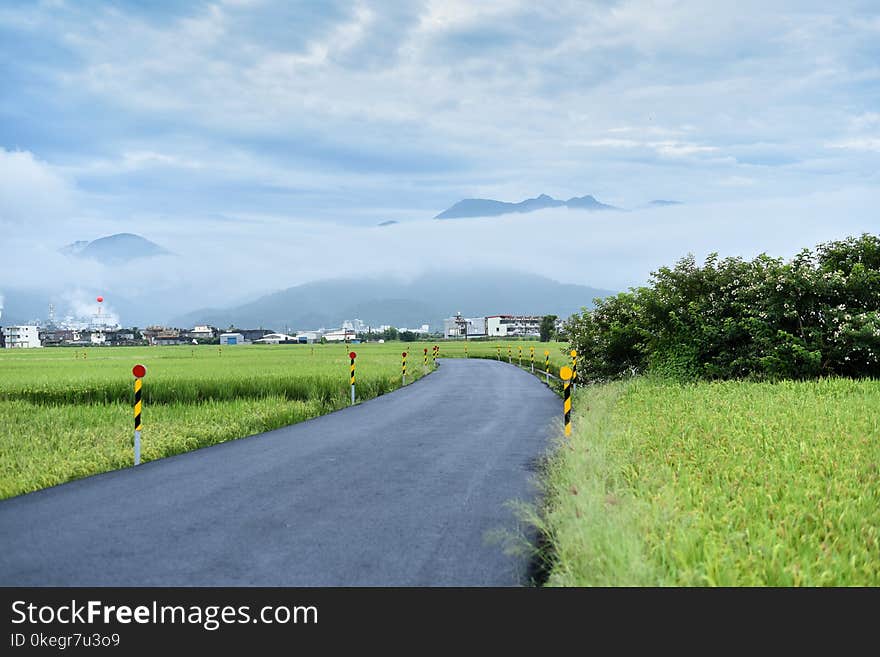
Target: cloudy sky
x,y
316,120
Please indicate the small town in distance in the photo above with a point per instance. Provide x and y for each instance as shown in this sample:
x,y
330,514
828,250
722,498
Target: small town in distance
x,y
104,330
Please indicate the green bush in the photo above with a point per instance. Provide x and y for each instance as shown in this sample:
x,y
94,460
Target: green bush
x,y
817,314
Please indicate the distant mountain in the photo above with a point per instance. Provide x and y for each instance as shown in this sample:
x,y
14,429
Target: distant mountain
x,y
660,203
483,207
427,299
115,249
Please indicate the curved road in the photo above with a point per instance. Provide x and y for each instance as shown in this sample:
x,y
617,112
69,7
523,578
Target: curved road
x,y
400,490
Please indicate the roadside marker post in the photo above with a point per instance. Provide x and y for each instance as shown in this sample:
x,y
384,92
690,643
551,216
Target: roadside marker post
x,y
139,372
520,355
426,360
352,356
574,369
498,351
566,374
547,367
465,351
509,357
532,358
404,367
434,356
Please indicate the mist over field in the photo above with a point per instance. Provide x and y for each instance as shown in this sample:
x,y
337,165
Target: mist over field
x,y
218,263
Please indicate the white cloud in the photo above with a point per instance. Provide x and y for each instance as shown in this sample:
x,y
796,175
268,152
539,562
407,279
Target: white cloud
x,y
857,144
32,193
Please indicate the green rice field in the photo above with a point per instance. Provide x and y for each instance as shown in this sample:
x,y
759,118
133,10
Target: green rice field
x,y
66,413
717,484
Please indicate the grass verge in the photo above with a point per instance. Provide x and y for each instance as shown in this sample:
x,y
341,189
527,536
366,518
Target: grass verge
x,y
725,484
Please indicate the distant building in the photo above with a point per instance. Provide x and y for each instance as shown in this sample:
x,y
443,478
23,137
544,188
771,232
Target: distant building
x,y
251,335
169,337
58,336
124,337
22,337
459,327
308,337
276,338
501,326
356,325
424,330
231,339
340,335
202,332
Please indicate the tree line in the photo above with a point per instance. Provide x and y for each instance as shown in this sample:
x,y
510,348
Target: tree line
x,y
817,314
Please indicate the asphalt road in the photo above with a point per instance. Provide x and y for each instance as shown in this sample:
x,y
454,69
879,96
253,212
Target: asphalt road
x,y
407,489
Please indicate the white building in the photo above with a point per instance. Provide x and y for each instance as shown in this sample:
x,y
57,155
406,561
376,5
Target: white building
x,y
202,332
22,337
356,325
308,337
459,327
231,339
340,335
501,326
424,330
275,338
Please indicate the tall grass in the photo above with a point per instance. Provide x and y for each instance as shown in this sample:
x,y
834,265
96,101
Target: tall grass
x,y
718,484
46,445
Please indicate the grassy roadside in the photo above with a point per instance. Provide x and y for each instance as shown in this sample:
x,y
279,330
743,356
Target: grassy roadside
x,y
724,484
43,446
66,414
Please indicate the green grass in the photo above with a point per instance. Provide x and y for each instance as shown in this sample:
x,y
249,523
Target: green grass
x,y
724,484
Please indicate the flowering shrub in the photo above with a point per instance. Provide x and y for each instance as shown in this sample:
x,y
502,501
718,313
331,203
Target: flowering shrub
x,y
817,314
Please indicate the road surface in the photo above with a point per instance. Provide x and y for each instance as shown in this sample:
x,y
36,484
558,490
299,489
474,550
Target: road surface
x,y
402,490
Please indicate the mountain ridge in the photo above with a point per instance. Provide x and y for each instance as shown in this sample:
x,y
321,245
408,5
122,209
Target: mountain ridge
x,y
484,207
114,249
428,298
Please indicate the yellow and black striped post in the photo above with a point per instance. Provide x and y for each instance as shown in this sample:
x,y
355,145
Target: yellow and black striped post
x,y
352,356
520,355
547,367
465,350
139,372
509,357
574,369
532,358
434,356
498,351
426,360
566,374
403,367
